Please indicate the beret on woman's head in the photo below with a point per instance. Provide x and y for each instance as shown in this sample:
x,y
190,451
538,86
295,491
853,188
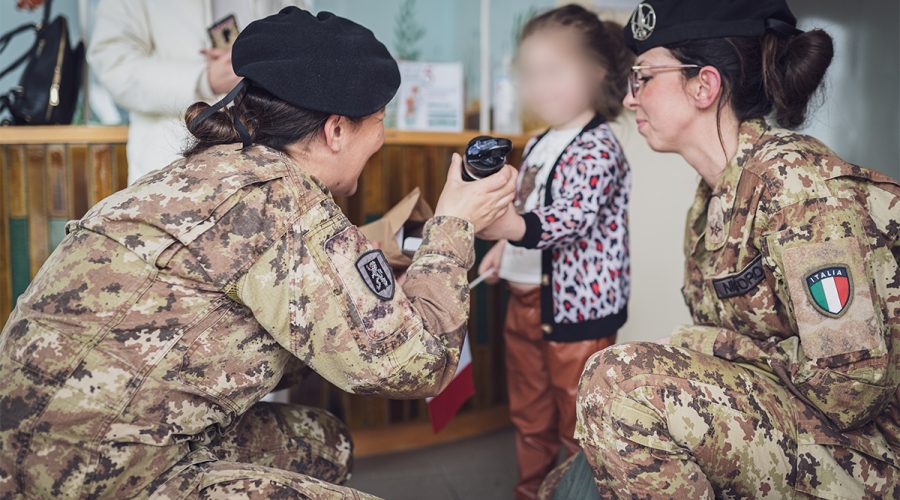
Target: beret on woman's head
x,y
322,63
656,23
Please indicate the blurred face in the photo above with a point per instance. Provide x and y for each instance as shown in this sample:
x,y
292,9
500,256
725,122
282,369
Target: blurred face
x,y
663,107
558,80
364,139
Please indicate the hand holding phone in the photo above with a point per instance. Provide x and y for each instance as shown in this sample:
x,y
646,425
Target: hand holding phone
x,y
223,32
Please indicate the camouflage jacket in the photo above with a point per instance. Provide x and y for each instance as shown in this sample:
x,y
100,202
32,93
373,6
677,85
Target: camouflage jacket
x,y
791,267
176,304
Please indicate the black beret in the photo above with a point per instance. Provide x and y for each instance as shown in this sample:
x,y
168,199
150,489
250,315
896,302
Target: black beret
x,y
322,63
656,23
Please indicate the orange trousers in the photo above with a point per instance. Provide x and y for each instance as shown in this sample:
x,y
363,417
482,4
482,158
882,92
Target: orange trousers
x,y
542,380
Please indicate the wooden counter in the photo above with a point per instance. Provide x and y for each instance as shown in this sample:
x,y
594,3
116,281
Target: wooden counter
x,y
49,175
64,134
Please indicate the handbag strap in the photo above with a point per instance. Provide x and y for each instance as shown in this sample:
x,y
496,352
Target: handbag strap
x,y
46,16
5,39
9,35
4,42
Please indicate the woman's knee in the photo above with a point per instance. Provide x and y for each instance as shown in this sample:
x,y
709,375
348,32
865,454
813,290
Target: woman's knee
x,y
607,370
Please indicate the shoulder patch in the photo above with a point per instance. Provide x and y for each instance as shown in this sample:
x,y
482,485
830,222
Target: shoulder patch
x,y
830,290
376,273
832,298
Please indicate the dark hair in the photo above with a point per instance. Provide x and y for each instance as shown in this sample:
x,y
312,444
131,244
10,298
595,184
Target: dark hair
x,y
271,122
769,74
604,42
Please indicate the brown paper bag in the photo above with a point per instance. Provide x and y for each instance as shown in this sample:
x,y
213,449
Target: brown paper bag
x,y
408,215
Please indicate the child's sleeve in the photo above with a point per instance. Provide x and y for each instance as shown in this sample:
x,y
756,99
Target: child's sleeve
x,y
590,176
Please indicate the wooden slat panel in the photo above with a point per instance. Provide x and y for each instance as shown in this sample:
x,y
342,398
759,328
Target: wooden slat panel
x,y
18,201
5,261
38,234
100,168
369,202
78,187
57,185
120,169
16,190
57,194
391,183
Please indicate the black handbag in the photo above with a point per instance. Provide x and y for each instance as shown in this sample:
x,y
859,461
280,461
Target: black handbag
x,y
47,93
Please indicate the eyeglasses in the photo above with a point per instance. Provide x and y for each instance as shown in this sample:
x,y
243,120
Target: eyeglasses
x,y
636,82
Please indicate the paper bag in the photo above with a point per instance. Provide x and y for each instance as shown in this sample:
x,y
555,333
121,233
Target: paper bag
x,y
404,219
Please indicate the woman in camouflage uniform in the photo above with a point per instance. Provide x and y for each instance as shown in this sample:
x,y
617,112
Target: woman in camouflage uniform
x,y
786,383
134,363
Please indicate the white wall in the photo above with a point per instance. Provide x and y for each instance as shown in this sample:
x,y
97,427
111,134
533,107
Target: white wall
x,y
662,190
860,115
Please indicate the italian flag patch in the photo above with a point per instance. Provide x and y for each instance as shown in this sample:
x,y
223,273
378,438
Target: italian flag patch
x,y
830,290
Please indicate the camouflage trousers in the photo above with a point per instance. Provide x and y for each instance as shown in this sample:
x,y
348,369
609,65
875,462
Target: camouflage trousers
x,y
274,451
658,421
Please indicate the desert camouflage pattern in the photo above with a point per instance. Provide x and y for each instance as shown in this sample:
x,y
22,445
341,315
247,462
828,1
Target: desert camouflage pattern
x,y
134,362
764,396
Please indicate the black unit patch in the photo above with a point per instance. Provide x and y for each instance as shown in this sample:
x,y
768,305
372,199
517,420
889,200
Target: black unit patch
x,y
376,274
741,282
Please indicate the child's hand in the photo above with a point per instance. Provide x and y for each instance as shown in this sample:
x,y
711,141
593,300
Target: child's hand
x,y
509,226
490,264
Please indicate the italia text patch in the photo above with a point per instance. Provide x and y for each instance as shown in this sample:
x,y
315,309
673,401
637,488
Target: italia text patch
x,y
376,274
741,282
830,290
844,318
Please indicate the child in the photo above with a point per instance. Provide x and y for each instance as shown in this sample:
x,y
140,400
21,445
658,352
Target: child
x,y
566,260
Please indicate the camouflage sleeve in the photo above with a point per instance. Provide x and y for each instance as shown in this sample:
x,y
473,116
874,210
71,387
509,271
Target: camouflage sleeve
x,y
840,282
834,270
330,298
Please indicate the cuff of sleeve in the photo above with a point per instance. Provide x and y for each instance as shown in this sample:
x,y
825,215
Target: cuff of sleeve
x,y
533,231
701,339
450,237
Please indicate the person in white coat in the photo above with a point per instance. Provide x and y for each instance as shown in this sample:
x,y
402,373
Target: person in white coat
x,y
155,58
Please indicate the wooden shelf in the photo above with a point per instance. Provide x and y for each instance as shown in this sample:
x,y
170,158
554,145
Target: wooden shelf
x,y
63,134
96,134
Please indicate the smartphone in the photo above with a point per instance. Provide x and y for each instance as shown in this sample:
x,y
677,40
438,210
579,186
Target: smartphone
x,y
223,32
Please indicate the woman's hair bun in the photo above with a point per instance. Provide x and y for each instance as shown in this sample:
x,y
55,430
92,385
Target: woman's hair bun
x,y
218,128
794,68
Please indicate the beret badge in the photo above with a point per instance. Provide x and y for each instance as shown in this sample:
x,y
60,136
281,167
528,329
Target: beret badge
x,y
643,20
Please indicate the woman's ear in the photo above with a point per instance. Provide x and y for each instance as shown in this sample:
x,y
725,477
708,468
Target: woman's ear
x,y
706,87
335,133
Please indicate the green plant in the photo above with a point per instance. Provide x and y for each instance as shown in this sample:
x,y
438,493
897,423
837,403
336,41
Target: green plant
x,y
407,32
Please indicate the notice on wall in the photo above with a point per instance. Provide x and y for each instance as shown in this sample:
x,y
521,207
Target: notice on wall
x,y
430,97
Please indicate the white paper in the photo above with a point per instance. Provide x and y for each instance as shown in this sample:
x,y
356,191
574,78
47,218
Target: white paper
x,y
430,96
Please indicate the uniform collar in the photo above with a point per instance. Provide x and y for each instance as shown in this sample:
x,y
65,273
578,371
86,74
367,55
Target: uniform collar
x,y
262,153
725,191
